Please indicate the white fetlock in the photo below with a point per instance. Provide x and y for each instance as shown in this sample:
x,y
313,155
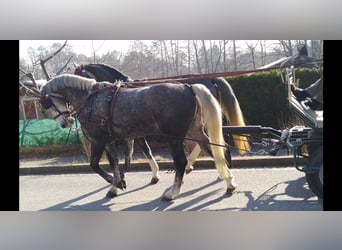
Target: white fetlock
x,y
188,169
113,191
155,170
168,196
231,185
171,194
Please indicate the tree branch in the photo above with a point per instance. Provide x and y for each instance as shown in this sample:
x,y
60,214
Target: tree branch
x,y
43,61
65,65
30,76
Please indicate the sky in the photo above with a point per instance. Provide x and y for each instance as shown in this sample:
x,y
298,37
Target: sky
x,y
79,46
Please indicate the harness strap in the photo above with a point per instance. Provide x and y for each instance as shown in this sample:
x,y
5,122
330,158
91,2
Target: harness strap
x,y
103,120
112,107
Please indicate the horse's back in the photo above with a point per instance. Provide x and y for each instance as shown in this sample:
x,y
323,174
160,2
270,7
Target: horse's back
x,y
167,107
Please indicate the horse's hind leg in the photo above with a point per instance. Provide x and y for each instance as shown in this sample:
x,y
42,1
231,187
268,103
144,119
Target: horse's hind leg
x,y
228,156
195,153
95,156
192,158
179,159
129,148
227,153
152,161
220,163
228,177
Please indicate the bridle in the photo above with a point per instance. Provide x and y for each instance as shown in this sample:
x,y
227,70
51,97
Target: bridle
x,y
47,103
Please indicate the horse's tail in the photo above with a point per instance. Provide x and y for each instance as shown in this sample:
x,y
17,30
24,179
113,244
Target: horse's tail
x,y
212,119
232,111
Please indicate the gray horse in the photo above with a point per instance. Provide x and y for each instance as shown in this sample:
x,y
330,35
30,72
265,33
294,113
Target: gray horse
x,y
110,112
218,87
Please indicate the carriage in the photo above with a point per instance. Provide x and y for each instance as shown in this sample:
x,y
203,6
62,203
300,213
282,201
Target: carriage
x,y
304,141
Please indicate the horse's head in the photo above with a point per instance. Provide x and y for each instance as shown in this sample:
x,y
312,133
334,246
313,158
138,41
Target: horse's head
x,y
58,108
62,92
78,69
81,70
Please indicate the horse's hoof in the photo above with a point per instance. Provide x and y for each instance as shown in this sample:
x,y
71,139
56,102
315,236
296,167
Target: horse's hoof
x,y
154,180
165,198
111,194
121,184
189,170
230,190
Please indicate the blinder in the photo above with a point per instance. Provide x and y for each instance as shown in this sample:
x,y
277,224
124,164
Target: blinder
x,y
47,103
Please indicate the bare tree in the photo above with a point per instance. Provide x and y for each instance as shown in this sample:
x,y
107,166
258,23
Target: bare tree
x,y
166,57
95,49
316,48
162,58
206,60
287,47
194,42
189,57
43,64
219,54
234,55
225,68
262,52
211,57
44,61
251,47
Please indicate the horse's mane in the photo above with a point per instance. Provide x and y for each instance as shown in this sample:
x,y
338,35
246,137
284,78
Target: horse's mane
x,y
67,81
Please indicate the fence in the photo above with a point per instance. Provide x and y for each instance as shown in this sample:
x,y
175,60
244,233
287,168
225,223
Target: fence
x,y
46,132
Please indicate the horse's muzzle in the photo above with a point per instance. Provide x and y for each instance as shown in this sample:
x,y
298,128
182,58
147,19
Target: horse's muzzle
x,y
67,122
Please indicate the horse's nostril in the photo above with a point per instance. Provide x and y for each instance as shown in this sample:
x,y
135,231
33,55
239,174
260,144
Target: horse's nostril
x,y
63,126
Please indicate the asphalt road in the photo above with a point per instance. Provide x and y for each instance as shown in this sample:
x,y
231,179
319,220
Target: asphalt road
x,y
259,189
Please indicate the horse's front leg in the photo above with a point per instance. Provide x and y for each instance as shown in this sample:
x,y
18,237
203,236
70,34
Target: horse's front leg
x,y
96,150
180,161
152,161
118,180
129,148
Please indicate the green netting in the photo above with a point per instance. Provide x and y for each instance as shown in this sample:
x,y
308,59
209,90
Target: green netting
x,y
46,132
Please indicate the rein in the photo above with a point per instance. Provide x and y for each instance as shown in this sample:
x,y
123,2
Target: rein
x,y
175,79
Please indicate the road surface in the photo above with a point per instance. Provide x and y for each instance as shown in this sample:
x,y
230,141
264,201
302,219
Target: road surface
x,y
259,189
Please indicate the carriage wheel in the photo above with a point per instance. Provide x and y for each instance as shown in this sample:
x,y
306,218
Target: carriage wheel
x,y
315,180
